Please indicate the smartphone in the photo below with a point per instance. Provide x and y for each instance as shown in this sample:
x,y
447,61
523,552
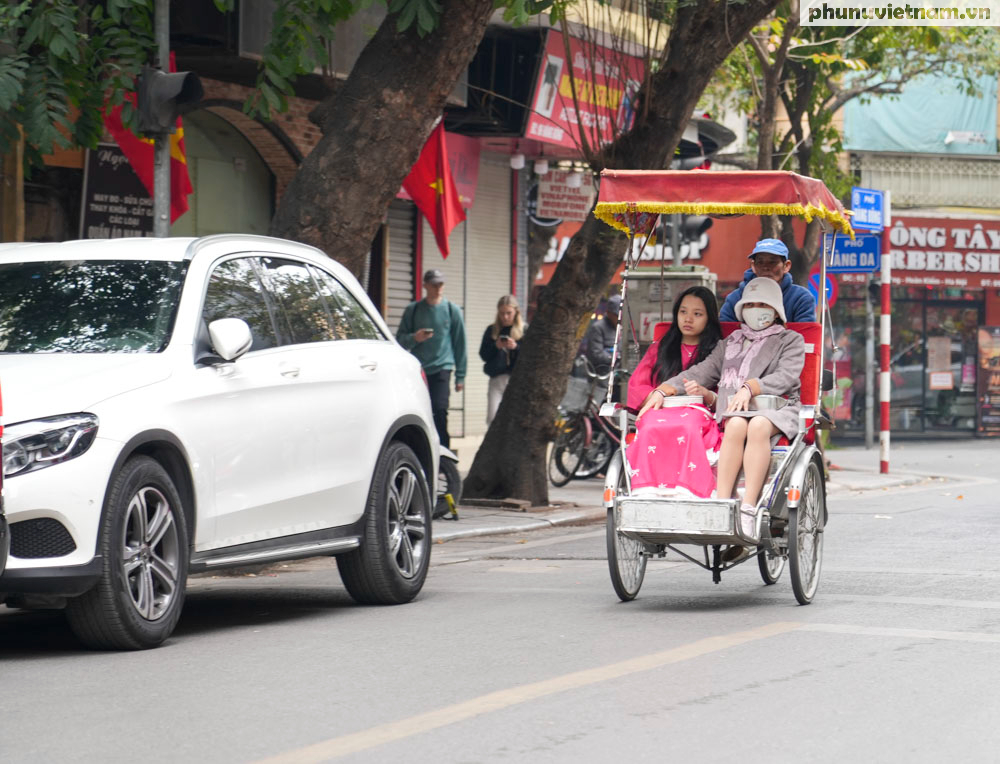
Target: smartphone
x,y
429,331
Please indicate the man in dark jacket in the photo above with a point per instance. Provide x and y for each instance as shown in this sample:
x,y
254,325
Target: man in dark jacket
x,y
600,337
769,259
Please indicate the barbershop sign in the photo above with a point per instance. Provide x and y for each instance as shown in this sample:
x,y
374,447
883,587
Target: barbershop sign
x,y
944,252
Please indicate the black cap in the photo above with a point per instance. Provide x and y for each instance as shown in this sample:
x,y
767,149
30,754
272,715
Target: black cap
x,y
433,276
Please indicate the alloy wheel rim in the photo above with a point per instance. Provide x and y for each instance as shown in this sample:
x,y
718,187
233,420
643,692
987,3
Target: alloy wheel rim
x,y
407,524
150,553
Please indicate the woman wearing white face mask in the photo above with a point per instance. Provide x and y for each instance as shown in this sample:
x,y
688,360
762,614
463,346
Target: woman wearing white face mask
x,y
760,358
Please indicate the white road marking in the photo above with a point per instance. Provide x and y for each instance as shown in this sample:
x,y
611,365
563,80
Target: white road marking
x,y
496,701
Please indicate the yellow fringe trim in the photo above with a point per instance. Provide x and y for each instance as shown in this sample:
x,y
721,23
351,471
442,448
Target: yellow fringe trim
x,y
606,211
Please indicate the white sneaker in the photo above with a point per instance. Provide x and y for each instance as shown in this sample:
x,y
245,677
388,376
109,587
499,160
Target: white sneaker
x,y
748,520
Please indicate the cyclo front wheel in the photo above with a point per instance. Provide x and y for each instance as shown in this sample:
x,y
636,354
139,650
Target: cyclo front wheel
x,y
626,562
805,536
568,449
771,565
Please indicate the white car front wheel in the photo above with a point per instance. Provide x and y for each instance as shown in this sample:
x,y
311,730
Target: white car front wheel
x,y
144,547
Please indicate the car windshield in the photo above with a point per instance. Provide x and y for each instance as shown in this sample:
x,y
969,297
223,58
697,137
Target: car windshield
x,y
88,306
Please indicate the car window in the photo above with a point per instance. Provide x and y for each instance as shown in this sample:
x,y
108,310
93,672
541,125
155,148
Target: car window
x,y
350,321
88,306
304,315
235,291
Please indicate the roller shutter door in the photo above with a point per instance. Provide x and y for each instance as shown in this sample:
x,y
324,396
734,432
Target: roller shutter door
x,y
399,275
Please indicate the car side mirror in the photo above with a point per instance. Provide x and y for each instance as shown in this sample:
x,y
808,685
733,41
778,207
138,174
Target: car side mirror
x,y
230,337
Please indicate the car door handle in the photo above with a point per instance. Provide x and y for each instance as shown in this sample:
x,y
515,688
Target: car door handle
x,y
288,371
367,364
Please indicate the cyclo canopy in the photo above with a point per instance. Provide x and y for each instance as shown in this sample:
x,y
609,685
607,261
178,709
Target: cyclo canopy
x,y
631,200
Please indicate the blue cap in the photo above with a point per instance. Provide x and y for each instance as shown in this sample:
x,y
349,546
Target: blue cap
x,y
770,247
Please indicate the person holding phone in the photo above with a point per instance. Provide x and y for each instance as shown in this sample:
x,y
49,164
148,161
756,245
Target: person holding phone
x,y
499,350
433,330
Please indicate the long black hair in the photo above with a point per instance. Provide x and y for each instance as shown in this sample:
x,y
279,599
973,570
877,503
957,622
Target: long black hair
x,y
668,357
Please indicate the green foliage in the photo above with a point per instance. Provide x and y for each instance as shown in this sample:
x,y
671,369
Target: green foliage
x,y
828,66
59,60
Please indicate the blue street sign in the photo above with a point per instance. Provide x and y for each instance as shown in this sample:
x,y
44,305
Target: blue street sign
x,y
863,255
867,206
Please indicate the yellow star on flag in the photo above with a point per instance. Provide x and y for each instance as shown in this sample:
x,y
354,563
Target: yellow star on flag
x,y
438,186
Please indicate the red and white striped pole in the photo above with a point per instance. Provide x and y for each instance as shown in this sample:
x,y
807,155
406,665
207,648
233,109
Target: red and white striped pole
x,y
885,333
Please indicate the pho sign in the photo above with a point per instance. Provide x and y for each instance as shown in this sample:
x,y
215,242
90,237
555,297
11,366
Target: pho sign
x,y
863,255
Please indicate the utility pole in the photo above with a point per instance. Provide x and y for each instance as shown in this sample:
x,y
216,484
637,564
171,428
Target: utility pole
x,y
12,192
161,98
161,141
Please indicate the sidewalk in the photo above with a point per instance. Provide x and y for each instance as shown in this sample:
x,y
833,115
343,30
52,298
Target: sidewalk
x,y
579,502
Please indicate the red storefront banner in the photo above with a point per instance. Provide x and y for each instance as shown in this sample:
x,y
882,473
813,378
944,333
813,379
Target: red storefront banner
x,y
945,252
606,82
463,159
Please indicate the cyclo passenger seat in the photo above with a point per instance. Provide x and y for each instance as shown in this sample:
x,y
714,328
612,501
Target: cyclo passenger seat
x,y
812,333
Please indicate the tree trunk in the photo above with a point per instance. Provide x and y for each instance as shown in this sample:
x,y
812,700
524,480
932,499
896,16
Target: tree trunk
x,y
511,461
374,127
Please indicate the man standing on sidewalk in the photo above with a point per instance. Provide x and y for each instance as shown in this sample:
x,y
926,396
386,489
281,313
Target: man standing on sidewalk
x,y
432,329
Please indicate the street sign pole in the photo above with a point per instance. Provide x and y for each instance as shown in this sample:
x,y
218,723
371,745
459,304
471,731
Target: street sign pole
x,y
885,332
869,368
161,141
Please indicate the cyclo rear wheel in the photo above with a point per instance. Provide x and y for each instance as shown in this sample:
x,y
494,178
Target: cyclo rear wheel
x,y
568,449
626,562
805,536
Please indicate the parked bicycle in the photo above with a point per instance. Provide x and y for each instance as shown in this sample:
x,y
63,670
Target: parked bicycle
x,y
584,442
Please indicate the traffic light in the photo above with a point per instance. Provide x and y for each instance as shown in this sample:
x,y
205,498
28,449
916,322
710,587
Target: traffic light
x,y
162,97
875,292
693,226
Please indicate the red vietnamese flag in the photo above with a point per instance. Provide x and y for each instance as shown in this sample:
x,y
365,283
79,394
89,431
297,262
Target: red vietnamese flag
x,y
140,155
432,189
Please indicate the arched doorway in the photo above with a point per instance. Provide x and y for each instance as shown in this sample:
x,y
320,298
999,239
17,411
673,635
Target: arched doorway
x,y
233,187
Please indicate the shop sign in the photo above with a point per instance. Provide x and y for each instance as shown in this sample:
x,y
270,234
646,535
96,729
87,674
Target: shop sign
x,y
604,82
863,254
988,387
558,200
115,203
939,364
944,252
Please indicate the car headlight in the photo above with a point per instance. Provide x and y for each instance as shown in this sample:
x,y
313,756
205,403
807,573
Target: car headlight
x,y
40,443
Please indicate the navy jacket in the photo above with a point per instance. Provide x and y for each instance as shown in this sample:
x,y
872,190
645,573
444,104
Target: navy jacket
x,y
800,305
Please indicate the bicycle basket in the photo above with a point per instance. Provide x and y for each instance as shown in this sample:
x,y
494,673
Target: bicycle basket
x,y
577,395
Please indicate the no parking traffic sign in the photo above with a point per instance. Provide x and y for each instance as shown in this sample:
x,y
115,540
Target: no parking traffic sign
x,y
831,286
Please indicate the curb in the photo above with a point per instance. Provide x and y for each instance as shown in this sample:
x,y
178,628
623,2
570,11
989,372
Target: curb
x,y
446,530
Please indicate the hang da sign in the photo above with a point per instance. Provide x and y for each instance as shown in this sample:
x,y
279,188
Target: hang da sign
x,y
854,260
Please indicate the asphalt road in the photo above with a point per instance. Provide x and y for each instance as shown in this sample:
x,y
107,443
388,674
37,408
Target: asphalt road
x,y
518,650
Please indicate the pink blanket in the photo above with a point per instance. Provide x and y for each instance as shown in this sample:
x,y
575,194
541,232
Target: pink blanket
x,y
675,448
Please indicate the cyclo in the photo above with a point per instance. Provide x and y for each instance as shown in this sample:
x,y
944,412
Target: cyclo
x,y
792,506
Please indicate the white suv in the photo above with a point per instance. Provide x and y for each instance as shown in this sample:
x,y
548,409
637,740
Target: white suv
x,y
185,405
